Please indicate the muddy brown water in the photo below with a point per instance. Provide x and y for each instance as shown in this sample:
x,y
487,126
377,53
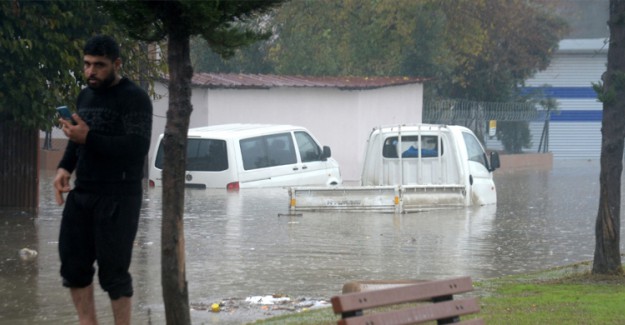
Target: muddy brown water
x,y
241,244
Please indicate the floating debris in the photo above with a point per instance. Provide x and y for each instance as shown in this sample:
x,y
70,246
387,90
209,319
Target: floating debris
x,y
290,214
27,254
259,307
267,300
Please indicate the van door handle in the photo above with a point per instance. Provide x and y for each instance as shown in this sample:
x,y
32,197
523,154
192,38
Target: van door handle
x,y
304,167
295,168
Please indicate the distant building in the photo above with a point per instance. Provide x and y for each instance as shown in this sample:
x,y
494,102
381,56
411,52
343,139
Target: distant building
x,y
575,130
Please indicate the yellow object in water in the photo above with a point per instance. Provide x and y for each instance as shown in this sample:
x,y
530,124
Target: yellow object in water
x,y
215,308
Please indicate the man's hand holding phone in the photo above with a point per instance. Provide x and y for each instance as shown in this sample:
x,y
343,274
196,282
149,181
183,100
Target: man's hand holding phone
x,y
73,126
65,114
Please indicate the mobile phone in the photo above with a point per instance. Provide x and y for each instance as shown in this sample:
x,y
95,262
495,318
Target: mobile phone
x,y
65,113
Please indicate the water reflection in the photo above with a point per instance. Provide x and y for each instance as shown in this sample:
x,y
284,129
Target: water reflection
x,y
242,244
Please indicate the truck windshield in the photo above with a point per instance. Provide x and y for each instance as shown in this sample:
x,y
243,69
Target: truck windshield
x,y
410,147
474,149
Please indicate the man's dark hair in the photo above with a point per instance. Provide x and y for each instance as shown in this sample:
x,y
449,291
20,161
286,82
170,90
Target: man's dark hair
x,y
102,45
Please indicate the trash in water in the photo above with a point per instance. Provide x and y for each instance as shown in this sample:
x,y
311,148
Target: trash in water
x,y
27,254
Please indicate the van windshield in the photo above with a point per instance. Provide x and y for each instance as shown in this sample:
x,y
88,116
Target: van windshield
x,y
308,148
202,155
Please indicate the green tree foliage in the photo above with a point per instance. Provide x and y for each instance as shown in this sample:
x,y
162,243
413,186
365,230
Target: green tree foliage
x,y
364,38
511,41
514,135
478,50
40,56
40,46
223,25
474,49
471,49
249,59
336,38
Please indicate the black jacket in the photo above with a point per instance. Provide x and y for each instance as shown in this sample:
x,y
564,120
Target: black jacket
x,y
120,122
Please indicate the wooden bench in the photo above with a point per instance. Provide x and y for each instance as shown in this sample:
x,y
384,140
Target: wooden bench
x,y
429,301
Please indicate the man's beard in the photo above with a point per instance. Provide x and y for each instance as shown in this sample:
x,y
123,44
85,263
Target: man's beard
x,y
102,84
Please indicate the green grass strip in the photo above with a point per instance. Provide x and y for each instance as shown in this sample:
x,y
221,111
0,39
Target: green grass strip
x,y
564,295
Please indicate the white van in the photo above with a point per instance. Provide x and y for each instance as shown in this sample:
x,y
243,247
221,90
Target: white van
x,y
234,156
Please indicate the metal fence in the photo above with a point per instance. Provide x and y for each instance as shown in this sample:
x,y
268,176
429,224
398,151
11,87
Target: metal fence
x,y
476,115
19,166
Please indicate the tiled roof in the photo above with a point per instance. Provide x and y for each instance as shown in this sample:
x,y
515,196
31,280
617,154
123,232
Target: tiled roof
x,y
219,80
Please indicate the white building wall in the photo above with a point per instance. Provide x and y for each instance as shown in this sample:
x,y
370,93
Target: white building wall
x,y
387,106
160,106
340,119
571,70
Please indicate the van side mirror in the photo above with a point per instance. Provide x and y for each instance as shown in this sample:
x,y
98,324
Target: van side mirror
x,y
327,153
494,161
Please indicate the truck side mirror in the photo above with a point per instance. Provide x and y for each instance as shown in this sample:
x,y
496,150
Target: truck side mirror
x,y
494,161
327,153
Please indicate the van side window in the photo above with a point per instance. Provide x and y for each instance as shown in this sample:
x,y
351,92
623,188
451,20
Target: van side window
x,y
281,150
207,155
268,151
308,148
474,149
410,147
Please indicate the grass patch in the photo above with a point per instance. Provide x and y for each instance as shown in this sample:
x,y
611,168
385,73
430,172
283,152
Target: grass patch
x,y
563,295
310,317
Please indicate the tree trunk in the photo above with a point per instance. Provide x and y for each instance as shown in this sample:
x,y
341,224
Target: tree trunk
x,y
607,259
173,276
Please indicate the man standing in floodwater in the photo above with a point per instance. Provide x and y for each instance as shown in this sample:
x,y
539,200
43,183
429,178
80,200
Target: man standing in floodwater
x,y
109,138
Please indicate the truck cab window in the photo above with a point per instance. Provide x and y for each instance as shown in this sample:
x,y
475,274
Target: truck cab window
x,y
410,147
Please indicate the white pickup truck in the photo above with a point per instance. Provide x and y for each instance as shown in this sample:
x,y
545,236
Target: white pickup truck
x,y
411,168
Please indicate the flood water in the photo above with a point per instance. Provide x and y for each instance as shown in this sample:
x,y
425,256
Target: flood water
x,y
242,244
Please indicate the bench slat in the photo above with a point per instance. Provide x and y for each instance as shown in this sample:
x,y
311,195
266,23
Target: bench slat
x,y
414,292
418,314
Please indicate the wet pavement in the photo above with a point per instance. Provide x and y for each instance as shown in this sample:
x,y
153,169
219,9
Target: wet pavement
x,y
243,245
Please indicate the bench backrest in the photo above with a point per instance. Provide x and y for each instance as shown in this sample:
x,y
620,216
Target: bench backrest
x,y
437,297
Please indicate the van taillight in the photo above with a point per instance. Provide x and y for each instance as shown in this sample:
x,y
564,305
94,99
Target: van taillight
x,y
151,183
234,186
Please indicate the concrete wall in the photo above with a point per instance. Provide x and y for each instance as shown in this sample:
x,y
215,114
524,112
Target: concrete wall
x,y
198,116
537,161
